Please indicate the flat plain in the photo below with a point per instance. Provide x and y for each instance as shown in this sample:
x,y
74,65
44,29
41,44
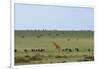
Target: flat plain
x,y
43,46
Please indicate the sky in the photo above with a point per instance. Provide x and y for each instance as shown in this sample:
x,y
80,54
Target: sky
x,y
39,17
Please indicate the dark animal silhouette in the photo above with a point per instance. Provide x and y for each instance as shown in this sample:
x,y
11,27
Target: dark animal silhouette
x,y
15,50
77,49
25,50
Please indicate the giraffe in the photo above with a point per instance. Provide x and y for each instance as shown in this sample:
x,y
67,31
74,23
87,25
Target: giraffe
x,y
57,46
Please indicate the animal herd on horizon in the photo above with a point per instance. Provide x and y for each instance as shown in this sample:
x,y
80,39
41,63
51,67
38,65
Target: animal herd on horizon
x,y
57,47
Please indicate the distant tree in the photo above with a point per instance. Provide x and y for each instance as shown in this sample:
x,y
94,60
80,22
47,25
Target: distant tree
x,y
27,56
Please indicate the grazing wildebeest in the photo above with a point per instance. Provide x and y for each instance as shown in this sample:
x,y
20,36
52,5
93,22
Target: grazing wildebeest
x,y
89,50
38,50
70,50
77,49
32,50
42,50
15,50
25,50
66,49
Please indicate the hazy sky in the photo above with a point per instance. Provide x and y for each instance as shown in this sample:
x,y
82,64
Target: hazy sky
x,y
53,17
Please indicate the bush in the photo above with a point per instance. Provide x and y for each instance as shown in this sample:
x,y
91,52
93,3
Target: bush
x,y
27,56
58,56
36,57
89,58
21,60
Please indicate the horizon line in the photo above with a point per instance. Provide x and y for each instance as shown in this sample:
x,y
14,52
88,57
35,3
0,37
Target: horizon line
x,y
47,30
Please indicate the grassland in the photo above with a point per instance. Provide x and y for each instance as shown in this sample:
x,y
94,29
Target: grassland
x,y
25,41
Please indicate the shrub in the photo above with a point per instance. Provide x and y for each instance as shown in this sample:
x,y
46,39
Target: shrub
x,y
21,60
58,56
36,57
27,56
89,58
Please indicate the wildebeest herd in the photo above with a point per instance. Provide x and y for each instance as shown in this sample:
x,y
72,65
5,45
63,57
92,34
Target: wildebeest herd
x,y
35,47
43,50
32,50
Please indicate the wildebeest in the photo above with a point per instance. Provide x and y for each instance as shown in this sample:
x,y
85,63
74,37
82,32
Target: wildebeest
x,y
42,50
15,50
66,50
32,50
77,49
89,50
38,50
25,50
70,50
